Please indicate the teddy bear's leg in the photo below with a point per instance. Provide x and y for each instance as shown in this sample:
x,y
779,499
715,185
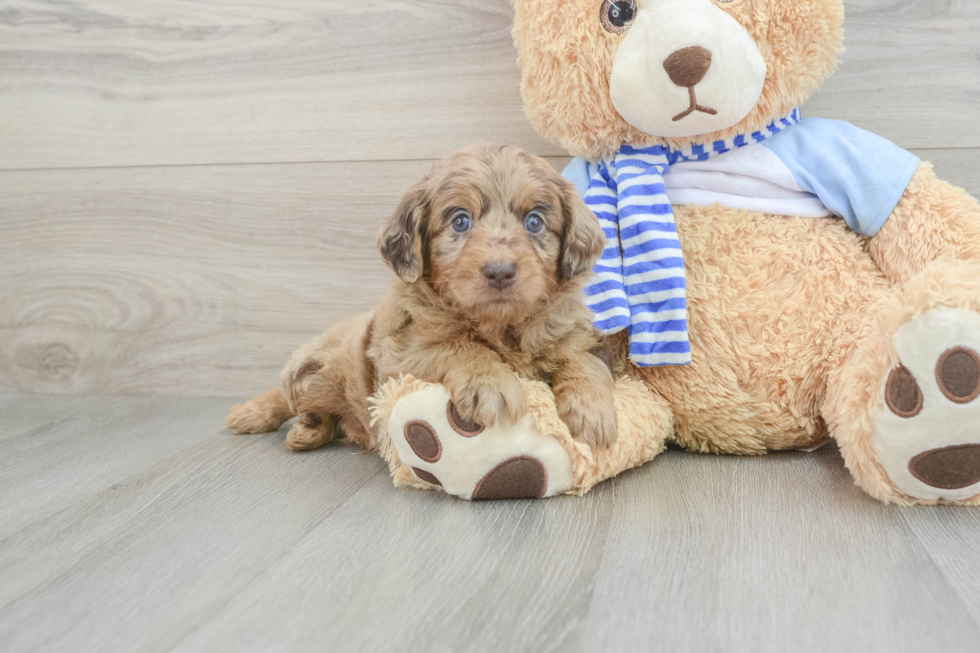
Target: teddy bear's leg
x,y
934,220
905,405
645,422
429,445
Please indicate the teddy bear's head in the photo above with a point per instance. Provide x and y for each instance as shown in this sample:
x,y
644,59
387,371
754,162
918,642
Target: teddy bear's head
x,y
598,74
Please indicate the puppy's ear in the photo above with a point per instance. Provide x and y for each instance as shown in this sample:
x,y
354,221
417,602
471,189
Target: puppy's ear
x,y
582,239
400,238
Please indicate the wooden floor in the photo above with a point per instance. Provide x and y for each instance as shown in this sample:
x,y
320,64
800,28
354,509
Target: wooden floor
x,y
189,189
138,524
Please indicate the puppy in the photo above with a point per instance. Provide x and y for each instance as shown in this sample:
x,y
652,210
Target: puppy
x,y
491,250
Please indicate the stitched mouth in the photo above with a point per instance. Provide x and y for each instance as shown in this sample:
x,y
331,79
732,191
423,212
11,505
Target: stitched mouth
x,y
694,106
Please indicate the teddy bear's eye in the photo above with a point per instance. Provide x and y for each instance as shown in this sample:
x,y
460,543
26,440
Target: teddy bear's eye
x,y
616,17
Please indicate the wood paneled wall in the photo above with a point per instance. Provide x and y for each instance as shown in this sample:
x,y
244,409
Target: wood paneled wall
x,y
190,189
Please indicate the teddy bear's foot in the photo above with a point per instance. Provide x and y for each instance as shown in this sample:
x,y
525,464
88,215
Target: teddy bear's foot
x,y
927,434
905,408
428,445
470,461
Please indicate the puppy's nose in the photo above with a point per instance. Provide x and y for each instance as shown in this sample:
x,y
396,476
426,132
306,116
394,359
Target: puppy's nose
x,y
688,66
500,274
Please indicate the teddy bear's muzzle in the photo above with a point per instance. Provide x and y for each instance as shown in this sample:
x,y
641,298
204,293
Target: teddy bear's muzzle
x,y
669,48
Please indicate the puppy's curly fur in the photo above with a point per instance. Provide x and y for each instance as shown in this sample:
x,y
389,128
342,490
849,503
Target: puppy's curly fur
x,y
451,317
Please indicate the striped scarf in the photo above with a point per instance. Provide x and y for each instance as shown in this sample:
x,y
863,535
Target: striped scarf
x,y
640,282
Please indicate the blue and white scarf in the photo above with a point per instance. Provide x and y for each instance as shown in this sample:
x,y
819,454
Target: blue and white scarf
x,y
640,283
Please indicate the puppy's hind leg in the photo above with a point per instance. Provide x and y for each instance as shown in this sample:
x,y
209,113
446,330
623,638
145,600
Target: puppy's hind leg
x,y
314,387
263,414
312,431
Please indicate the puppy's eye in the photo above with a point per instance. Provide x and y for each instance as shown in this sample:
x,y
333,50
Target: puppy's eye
x,y
616,17
533,222
462,221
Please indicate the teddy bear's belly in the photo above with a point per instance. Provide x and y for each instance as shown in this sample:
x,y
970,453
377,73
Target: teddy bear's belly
x,y
775,305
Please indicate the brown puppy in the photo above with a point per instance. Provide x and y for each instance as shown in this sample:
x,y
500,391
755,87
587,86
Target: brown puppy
x,y
491,249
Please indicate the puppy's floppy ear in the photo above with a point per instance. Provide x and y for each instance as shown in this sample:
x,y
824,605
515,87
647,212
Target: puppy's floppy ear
x,y
400,238
582,240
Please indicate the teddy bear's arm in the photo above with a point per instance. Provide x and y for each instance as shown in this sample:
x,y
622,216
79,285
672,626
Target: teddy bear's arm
x,y
933,220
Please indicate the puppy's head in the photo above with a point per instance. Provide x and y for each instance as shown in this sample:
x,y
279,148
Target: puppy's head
x,y
494,231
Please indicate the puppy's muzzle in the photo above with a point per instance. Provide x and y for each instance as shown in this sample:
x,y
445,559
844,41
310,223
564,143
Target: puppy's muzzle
x,y
500,274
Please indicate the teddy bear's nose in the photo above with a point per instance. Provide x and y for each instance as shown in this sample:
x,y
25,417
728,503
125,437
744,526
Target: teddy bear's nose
x,y
688,66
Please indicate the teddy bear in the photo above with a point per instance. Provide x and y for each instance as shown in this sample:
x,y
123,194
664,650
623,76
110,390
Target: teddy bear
x,y
770,281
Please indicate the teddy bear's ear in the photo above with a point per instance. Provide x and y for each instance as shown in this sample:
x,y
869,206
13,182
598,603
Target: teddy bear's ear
x,y
582,240
400,238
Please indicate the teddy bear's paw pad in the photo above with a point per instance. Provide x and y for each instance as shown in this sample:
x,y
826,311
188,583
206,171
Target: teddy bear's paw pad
x,y
473,462
928,432
523,477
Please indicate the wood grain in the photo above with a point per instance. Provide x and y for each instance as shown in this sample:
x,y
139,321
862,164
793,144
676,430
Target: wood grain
x,y
769,532
190,188
121,83
199,281
156,549
236,544
910,72
183,280
76,445
949,536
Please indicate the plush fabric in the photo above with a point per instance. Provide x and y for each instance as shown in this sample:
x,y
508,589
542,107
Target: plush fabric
x,y
639,284
565,58
690,51
799,328
570,467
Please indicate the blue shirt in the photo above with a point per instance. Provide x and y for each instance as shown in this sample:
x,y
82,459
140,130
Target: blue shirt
x,y
815,168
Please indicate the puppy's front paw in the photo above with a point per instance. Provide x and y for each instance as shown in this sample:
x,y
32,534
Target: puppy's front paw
x,y
590,419
487,399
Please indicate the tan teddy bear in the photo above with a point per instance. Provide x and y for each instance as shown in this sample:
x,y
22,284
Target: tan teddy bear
x,y
770,281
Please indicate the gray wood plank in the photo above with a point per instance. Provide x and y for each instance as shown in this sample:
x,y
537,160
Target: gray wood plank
x,y
32,415
100,440
950,535
234,543
781,553
183,281
910,72
150,558
417,571
687,554
199,281
118,83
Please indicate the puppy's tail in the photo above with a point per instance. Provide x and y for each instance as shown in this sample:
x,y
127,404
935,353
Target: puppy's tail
x,y
263,414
